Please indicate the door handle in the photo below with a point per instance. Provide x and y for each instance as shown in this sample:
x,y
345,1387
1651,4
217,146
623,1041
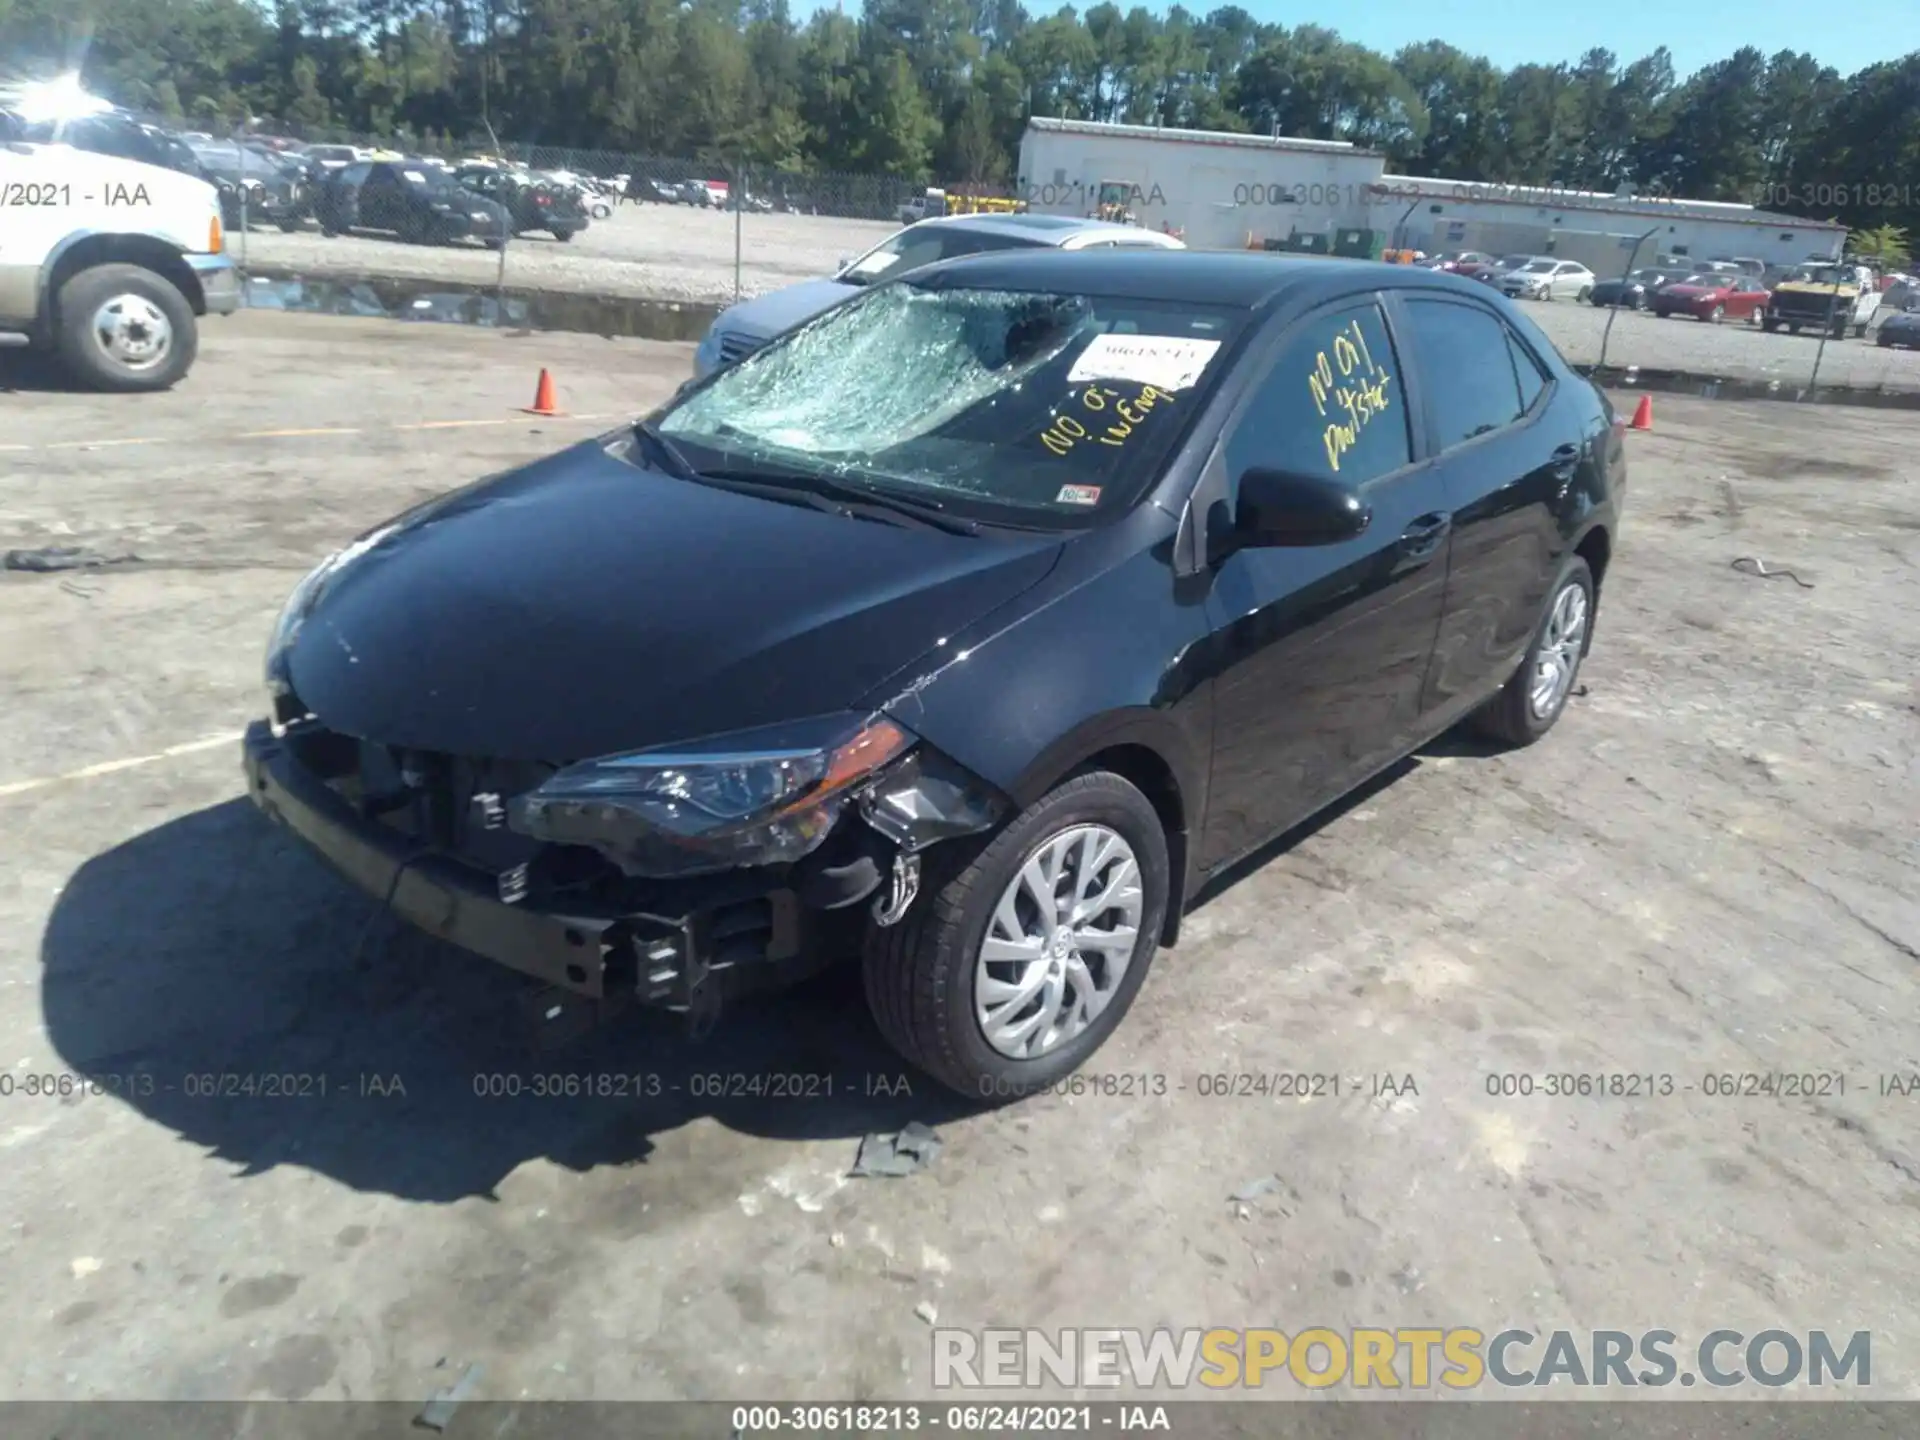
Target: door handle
x,y
1420,539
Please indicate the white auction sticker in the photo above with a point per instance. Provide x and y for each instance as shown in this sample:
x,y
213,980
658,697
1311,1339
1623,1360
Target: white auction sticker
x,y
1166,362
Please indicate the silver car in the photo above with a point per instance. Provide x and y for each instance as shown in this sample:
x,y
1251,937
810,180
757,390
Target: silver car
x,y
1545,278
743,328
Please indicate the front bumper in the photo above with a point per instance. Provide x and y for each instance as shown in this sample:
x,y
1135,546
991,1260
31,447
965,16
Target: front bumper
x,y
662,955
219,282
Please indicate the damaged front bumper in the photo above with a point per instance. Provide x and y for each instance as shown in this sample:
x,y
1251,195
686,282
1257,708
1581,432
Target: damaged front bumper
x,y
680,944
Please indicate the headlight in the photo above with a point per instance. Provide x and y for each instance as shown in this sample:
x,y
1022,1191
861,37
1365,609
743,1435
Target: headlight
x,y
759,797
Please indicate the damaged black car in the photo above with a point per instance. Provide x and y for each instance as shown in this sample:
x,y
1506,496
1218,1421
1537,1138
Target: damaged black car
x,y
972,627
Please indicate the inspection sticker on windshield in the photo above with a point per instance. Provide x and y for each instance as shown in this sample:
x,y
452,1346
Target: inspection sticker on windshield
x,y
1078,495
1168,362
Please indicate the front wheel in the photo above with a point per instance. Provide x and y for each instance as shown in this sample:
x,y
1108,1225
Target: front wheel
x,y
1531,701
125,328
1716,315
1025,954
563,233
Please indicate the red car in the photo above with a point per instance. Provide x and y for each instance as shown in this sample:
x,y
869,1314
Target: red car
x,y
1461,262
1712,298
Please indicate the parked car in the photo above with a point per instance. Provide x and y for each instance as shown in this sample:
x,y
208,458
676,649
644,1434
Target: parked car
x,y
741,329
1711,297
980,696
421,206
333,157
1545,278
1630,291
1459,261
255,188
1503,267
533,203
1900,328
661,192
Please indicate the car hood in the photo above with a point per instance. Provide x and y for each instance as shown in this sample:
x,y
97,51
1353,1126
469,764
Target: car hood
x,y
767,315
583,605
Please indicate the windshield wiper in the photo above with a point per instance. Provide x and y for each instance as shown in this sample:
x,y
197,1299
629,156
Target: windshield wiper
x,y
784,484
929,512
677,464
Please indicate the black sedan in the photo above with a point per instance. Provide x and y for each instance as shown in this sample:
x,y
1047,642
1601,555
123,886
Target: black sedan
x,y
423,206
1631,291
1900,329
533,204
975,623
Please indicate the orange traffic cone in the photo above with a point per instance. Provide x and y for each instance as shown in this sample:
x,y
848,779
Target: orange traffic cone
x,y
1642,413
543,398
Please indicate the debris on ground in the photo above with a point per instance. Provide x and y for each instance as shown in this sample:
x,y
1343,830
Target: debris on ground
x,y
1759,568
1254,1189
926,1311
438,1412
51,558
909,1151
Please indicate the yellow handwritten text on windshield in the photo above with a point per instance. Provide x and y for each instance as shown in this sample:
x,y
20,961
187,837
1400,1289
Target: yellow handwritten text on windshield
x,y
1109,417
1349,390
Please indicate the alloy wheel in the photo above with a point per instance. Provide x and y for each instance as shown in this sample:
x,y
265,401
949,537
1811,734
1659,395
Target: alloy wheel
x,y
1558,657
1059,943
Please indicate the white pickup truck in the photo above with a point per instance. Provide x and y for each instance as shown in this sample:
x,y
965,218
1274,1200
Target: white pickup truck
x,y
109,263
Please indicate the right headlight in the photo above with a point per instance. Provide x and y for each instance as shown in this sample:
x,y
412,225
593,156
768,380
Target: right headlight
x,y
757,797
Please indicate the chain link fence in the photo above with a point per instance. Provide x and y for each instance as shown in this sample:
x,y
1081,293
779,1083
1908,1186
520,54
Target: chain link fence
x,y
656,245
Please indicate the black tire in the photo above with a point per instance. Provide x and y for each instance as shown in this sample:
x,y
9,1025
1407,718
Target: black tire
x,y
89,362
563,233
1585,294
920,973
1509,716
1769,324
290,226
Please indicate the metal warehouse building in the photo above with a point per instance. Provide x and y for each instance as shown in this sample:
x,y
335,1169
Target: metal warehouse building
x,y
1228,191
1597,229
1212,185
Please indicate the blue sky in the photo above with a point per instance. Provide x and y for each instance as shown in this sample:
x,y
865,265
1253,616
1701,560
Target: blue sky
x,y
1544,31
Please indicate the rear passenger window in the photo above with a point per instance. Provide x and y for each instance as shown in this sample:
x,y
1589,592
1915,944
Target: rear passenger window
x,y
1527,370
1466,369
1332,406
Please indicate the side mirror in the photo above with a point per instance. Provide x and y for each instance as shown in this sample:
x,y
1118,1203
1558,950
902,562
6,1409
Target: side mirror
x,y
1278,508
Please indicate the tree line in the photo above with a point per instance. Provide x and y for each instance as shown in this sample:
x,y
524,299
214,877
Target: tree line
x,y
941,90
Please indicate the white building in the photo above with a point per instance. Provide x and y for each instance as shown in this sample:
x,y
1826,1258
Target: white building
x,y
1216,187
1596,228
1228,191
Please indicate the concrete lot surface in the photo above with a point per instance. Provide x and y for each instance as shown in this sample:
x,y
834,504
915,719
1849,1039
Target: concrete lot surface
x,y
1708,869
674,252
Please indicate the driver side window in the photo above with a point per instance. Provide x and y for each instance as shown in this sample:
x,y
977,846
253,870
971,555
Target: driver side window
x,y
1331,406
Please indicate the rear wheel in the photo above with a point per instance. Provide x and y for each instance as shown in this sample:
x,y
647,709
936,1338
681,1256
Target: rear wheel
x,y
563,233
1027,951
125,328
1532,700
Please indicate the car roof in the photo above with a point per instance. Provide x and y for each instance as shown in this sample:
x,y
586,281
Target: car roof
x,y
1040,229
1235,279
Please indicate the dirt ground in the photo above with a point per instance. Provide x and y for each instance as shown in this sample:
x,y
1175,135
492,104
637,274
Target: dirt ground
x,y
1709,868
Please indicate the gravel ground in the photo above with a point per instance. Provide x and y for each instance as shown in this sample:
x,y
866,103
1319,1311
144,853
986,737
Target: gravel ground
x,y
667,252
1707,869
679,253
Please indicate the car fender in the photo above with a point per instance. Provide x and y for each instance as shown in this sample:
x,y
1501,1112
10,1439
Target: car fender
x,y
1106,652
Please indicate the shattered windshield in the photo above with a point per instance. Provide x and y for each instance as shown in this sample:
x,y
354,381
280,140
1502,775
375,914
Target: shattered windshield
x,y
1029,407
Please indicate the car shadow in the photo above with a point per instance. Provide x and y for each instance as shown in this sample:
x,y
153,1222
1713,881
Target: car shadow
x,y
220,980
1457,743
32,372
